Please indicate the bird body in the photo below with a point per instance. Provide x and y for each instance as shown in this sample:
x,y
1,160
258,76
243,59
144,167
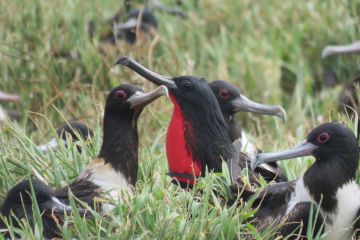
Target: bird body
x,y
329,184
115,169
18,205
197,136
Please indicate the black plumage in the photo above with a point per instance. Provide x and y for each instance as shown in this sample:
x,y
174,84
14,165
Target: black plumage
x,y
18,205
197,123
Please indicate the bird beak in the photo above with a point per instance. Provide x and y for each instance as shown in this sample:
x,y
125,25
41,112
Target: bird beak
x,y
146,73
129,24
341,49
51,145
6,97
301,150
242,103
56,206
142,99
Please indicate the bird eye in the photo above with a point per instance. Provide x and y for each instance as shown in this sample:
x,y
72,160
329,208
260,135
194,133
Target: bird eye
x,y
187,85
121,94
323,138
224,94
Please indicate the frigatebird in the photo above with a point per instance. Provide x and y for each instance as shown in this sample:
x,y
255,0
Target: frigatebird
x,y
138,22
115,169
18,205
72,129
329,184
231,101
197,137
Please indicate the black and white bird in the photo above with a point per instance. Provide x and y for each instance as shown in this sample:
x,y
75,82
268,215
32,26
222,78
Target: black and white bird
x,y
18,206
71,129
197,136
329,185
114,171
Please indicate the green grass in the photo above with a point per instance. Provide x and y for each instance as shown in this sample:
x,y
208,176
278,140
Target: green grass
x,y
245,42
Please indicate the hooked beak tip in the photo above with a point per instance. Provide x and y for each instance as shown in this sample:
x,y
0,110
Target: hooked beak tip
x,y
123,61
282,114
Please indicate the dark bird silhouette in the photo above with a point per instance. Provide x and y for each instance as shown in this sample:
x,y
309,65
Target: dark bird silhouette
x,y
115,169
18,205
329,185
197,136
71,129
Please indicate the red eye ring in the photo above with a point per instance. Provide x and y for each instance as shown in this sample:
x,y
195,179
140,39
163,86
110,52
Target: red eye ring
x,y
323,137
121,94
224,94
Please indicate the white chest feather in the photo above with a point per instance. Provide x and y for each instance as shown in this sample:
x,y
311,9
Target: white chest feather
x,y
301,194
341,221
247,147
338,224
111,182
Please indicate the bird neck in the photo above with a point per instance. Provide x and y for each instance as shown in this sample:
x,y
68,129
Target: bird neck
x,y
196,140
120,144
324,178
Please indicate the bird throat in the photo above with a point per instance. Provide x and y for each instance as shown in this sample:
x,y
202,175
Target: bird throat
x,y
182,166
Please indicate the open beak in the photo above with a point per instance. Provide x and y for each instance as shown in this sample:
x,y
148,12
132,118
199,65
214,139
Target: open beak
x,y
146,73
341,49
301,150
140,100
56,206
244,104
6,97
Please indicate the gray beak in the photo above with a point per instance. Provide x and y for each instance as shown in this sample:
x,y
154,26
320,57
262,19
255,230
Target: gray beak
x,y
6,97
146,73
140,99
56,206
244,104
301,150
341,49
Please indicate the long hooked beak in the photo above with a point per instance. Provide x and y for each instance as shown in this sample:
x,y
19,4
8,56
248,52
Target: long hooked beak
x,y
6,97
146,73
341,49
56,206
142,99
242,103
301,150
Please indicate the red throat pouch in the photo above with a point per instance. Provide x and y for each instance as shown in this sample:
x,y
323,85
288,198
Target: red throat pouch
x,y
179,159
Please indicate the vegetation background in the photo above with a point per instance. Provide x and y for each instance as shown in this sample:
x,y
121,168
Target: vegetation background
x,y
47,57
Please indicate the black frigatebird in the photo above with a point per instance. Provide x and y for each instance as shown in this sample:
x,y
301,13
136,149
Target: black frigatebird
x,y
115,169
72,129
139,23
231,101
329,184
18,205
197,136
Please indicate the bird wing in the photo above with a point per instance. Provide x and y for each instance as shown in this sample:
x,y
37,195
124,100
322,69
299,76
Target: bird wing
x,y
82,188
